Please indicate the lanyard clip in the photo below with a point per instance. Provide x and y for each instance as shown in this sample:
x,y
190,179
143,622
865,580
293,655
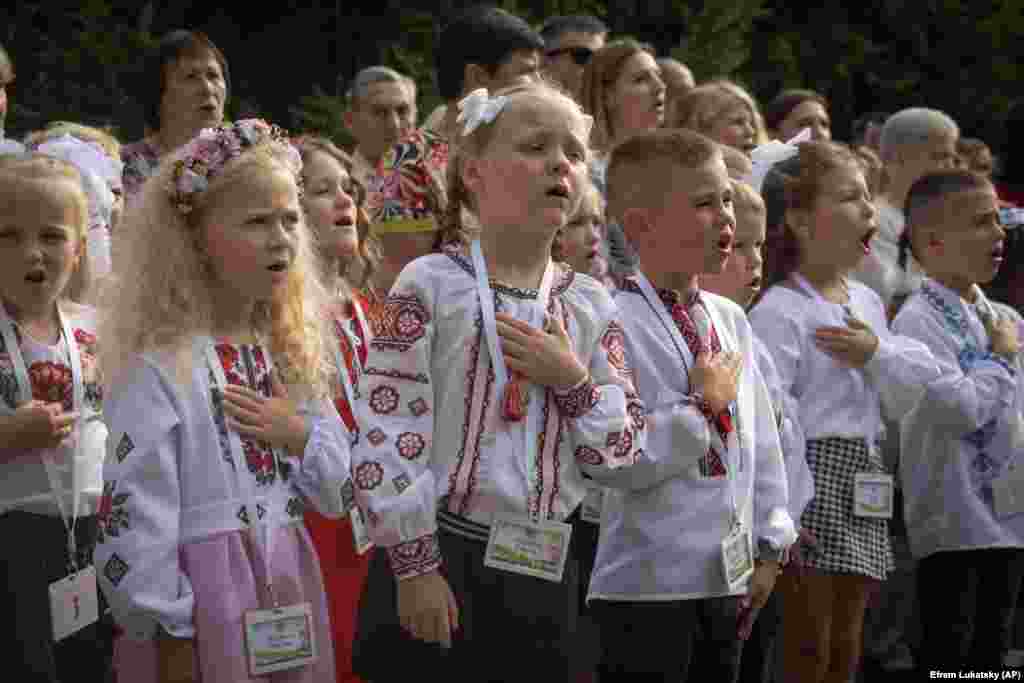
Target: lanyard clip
x,y
72,553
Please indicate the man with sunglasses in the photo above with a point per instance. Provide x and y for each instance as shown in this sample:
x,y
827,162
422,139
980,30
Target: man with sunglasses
x,y
570,42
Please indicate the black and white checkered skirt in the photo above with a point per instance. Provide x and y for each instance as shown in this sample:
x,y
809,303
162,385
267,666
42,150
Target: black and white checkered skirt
x,y
846,544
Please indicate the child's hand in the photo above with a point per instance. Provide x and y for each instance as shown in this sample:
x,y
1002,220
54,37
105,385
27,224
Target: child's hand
x,y
275,420
427,608
716,378
761,585
853,345
805,544
1004,335
544,358
39,425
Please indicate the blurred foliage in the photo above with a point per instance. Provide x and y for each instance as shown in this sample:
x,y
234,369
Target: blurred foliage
x,y
291,61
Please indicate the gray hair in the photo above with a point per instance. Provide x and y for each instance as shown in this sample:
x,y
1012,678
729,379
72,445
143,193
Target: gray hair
x,y
373,74
914,126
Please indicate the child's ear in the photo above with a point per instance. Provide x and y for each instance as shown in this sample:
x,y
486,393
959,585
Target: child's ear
x,y
798,221
471,174
474,76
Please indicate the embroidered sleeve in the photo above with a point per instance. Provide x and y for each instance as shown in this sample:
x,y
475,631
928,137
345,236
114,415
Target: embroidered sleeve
x,y
322,474
971,390
390,466
416,557
137,554
607,419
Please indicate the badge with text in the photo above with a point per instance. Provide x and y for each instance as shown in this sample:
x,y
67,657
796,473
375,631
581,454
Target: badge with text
x,y
873,495
533,548
280,638
360,534
737,557
1008,493
74,603
593,503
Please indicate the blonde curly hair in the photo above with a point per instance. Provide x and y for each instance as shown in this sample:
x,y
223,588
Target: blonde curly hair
x,y
162,296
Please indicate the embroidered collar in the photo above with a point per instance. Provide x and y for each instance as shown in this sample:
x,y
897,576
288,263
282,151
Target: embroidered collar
x,y
670,297
564,275
950,305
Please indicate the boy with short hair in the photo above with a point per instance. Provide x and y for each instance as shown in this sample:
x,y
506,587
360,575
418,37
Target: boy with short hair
x,y
961,447
914,142
677,544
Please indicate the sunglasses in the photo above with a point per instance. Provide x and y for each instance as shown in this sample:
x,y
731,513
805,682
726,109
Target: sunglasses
x,y
580,55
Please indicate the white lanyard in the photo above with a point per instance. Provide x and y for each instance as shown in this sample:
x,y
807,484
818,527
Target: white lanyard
x,y
256,528
660,310
486,295
339,359
78,398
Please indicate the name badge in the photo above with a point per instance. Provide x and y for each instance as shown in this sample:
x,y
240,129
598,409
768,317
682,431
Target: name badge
x,y
74,603
1008,493
280,638
521,546
873,495
737,557
593,503
360,534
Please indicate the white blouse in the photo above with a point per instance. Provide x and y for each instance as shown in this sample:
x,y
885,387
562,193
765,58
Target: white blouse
x,y
661,531
966,432
834,400
434,435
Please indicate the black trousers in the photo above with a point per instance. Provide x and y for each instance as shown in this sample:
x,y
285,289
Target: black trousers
x,y
968,601
654,642
33,554
758,662
513,627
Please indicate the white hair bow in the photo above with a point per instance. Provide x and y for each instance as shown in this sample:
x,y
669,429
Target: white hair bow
x,y
763,157
478,108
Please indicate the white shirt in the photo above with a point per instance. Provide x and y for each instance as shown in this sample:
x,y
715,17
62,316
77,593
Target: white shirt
x,y
965,433
834,400
432,424
171,476
23,481
661,532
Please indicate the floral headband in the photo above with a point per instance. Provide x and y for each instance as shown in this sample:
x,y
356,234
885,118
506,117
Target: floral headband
x,y
205,157
478,108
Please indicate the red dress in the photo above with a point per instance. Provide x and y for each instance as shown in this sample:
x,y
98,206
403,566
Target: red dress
x,y
343,569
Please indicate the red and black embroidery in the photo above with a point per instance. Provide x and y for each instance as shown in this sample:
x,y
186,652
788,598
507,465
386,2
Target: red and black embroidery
x,y
415,557
369,475
112,517
637,414
624,445
403,322
577,402
245,366
419,377
586,455
613,438
52,383
410,445
384,399
376,436
418,407
614,344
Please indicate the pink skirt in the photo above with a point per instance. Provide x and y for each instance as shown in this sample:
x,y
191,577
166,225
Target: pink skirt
x,y
228,579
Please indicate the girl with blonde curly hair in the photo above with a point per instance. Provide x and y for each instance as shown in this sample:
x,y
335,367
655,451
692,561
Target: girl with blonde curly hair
x,y
51,431
722,110
219,428
333,203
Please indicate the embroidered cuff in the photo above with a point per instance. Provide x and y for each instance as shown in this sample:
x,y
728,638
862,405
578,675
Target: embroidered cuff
x,y
578,400
416,557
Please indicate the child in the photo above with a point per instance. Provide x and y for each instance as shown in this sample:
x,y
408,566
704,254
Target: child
x,y
51,430
677,542
202,521
829,340
741,282
961,447
97,156
481,427
332,202
914,142
579,242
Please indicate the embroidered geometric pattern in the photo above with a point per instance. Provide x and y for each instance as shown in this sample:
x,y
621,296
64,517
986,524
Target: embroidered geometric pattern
x,y
410,445
384,399
415,557
418,407
401,482
588,456
124,447
419,378
637,414
376,436
577,402
613,438
957,323
116,569
624,445
403,322
348,494
295,508
112,516
369,475
614,344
